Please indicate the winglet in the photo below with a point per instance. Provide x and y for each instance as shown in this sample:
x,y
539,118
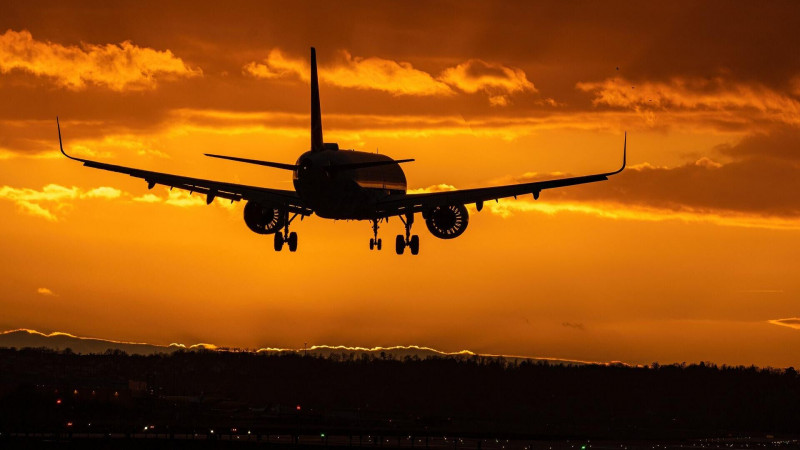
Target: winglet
x,y
60,144
624,156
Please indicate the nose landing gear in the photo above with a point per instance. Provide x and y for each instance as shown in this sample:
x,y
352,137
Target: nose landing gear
x,y
286,237
375,241
412,242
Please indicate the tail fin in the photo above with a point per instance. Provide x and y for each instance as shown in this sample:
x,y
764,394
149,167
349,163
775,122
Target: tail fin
x,y
316,115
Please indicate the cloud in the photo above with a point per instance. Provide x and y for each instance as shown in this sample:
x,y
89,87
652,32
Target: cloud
x,y
494,79
28,200
118,67
102,192
401,78
791,322
184,199
46,292
434,188
714,94
781,144
147,198
53,198
277,65
397,78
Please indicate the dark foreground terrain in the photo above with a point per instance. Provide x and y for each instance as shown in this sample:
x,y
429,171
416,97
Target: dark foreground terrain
x,y
355,400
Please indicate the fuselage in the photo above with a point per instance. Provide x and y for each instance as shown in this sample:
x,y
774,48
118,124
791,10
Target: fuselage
x,y
347,193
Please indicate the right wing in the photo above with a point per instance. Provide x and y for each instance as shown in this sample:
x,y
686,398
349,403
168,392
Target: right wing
x,y
211,189
412,203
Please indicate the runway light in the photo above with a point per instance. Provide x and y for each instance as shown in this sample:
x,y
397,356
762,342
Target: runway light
x,y
322,434
58,401
298,407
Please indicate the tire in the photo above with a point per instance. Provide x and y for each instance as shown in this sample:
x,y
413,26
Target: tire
x,y
400,244
292,241
413,244
371,243
378,244
278,242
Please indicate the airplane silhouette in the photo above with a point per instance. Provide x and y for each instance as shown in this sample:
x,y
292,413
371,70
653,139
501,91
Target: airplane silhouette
x,y
345,184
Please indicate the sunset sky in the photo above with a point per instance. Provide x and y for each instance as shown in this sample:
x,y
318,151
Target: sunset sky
x,y
691,254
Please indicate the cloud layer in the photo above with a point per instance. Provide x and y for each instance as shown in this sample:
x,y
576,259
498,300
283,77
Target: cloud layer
x,y
713,94
53,199
399,77
791,322
117,67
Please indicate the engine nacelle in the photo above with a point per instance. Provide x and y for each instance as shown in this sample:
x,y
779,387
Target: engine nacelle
x,y
447,222
263,219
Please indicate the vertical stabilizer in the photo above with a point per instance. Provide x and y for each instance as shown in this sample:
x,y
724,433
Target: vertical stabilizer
x,y
316,115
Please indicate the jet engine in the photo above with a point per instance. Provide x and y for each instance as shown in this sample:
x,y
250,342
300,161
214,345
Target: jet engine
x,y
263,219
447,222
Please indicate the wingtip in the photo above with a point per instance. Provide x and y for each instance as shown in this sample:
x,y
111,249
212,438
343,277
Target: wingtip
x,y
624,156
60,142
624,152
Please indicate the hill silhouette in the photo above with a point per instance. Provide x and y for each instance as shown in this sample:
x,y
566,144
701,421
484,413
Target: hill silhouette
x,y
27,338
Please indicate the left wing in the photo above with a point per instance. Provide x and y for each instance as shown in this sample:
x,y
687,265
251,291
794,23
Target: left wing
x,y
412,203
211,189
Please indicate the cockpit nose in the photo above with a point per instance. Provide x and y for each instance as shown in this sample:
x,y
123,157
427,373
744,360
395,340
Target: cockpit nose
x,y
305,164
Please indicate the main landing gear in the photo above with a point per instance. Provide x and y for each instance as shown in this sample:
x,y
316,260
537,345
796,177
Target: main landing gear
x,y
286,237
412,242
375,241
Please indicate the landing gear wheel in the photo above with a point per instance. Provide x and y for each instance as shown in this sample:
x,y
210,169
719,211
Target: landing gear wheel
x,y
278,241
400,244
413,244
292,241
374,241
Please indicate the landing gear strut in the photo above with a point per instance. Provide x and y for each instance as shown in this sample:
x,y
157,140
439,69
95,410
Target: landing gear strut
x,y
374,241
412,242
285,236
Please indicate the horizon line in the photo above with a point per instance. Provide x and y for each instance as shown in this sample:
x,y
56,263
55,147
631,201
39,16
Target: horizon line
x,y
312,348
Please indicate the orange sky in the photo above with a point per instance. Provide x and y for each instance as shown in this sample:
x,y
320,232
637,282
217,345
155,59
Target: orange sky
x,y
688,255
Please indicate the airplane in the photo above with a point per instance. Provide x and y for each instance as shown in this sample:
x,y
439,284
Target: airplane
x,y
345,185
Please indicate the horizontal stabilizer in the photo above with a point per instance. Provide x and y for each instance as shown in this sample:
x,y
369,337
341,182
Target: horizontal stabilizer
x,y
255,161
333,168
363,165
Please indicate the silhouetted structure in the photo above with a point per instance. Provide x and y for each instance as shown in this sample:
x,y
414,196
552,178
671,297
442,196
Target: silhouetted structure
x,y
350,185
355,394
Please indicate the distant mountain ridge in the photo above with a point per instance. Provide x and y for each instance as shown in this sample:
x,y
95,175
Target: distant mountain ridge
x,y
22,338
